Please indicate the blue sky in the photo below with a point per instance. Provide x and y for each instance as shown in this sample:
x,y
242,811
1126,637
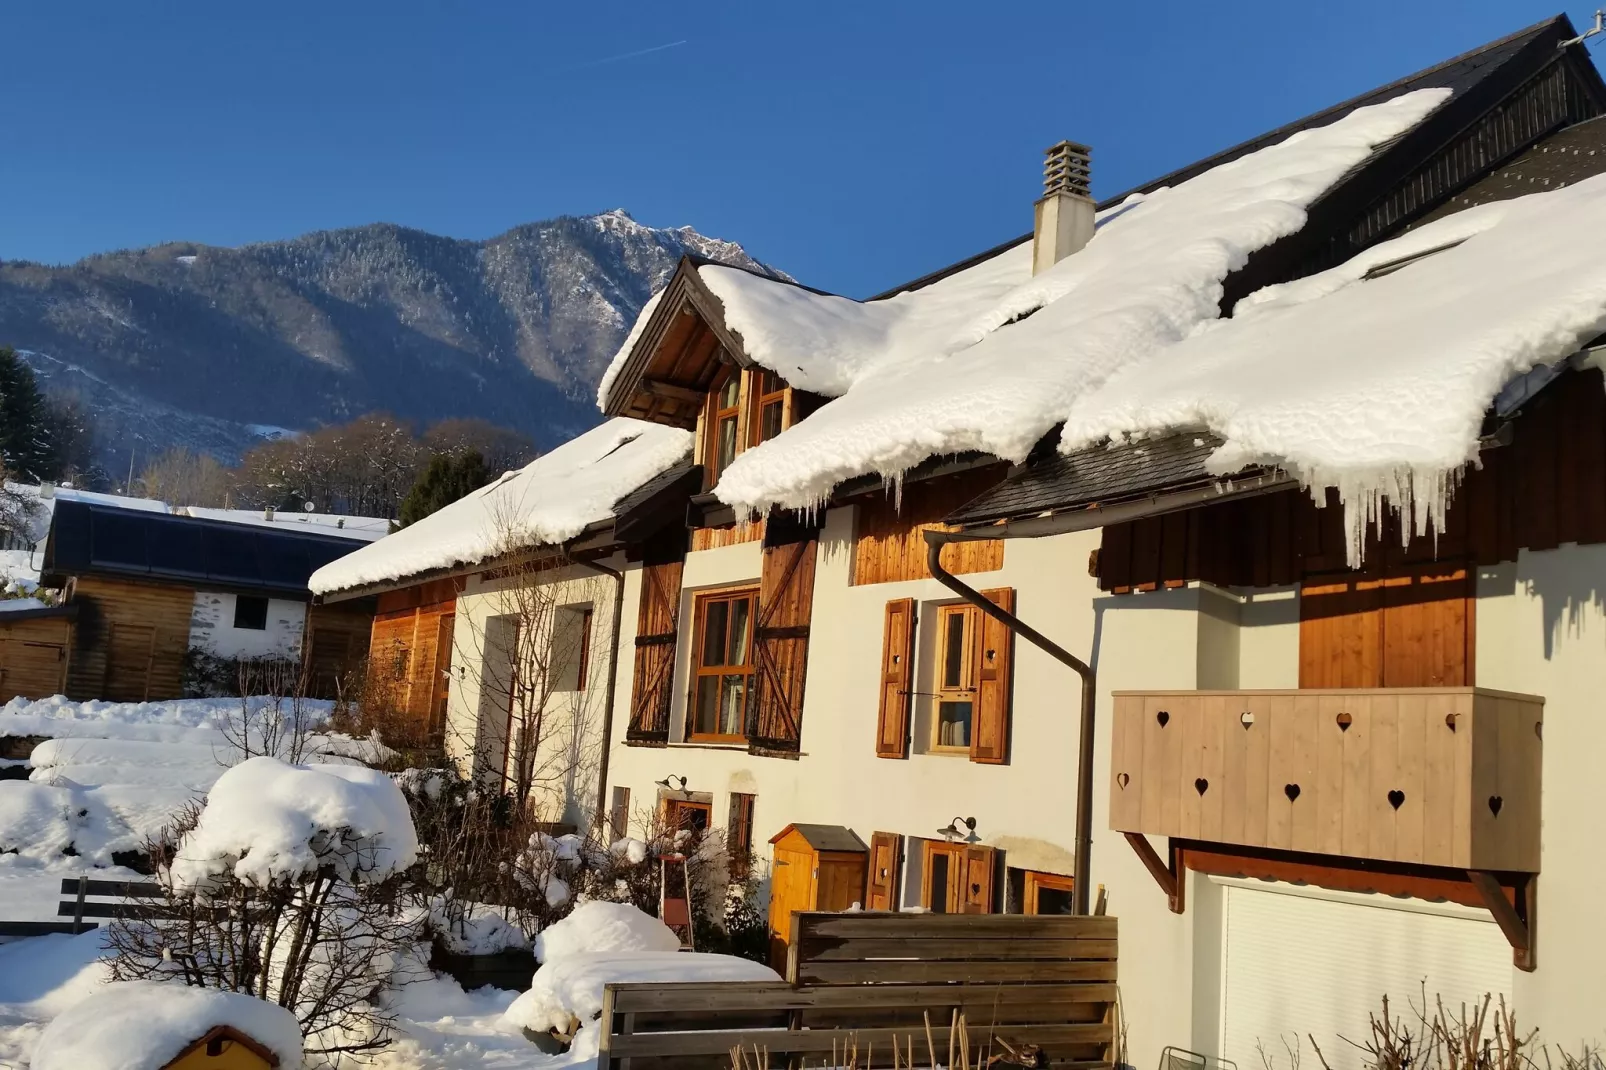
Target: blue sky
x,y
855,145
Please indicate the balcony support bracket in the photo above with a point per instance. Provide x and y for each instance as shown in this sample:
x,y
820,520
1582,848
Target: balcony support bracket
x,y
1170,874
1515,919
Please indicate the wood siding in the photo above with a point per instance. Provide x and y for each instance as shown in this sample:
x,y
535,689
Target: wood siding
x,y
735,535
1547,488
338,639
889,542
410,651
1437,776
130,641
34,657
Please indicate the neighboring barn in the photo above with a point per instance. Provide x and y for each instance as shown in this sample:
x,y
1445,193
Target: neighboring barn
x,y
149,587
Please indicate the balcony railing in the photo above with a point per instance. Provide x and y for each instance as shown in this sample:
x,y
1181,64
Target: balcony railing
x,y
1446,777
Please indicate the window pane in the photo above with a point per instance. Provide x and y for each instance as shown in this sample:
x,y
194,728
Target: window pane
x,y
953,650
1053,901
768,382
740,614
769,421
730,391
705,721
939,884
715,615
727,441
733,706
953,724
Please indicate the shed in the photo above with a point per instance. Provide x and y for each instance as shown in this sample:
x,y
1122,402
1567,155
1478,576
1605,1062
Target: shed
x,y
813,867
35,644
224,1048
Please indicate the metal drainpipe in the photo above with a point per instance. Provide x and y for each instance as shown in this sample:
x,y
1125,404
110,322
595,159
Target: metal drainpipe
x,y
613,676
935,541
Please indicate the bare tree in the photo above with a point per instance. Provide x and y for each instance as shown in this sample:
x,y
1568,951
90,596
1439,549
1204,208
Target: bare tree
x,y
19,513
272,715
180,477
502,448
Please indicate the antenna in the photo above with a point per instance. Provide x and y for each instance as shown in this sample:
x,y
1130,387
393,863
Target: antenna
x,y
1599,27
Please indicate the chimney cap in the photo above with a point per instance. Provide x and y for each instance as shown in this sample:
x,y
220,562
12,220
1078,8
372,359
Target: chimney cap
x,y
1067,168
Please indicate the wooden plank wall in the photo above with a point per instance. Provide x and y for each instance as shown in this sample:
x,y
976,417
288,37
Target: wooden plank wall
x,y
337,641
735,535
34,657
867,978
404,649
130,641
1547,488
889,542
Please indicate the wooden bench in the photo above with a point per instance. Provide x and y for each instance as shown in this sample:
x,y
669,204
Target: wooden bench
x,y
864,979
79,895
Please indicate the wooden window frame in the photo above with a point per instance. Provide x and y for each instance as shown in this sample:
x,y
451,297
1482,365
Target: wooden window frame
x,y
955,853
714,414
673,808
700,604
739,834
969,688
763,399
1036,881
582,670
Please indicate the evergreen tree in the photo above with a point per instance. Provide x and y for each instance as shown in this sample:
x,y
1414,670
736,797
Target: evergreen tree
x,y
444,481
26,446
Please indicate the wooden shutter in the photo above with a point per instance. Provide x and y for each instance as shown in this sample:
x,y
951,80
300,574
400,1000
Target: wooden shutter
x,y
976,889
881,884
1404,626
897,692
655,653
781,642
989,735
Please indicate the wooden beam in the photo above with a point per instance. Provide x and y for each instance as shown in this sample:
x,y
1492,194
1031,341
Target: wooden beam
x,y
1514,920
674,391
1172,878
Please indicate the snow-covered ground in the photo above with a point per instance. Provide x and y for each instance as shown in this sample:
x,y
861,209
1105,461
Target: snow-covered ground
x,y
111,773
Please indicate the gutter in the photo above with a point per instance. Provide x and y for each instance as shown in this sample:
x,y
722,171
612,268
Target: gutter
x,y
613,677
935,541
1063,523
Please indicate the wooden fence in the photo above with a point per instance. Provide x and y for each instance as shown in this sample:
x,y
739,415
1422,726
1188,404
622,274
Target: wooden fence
x,y
866,978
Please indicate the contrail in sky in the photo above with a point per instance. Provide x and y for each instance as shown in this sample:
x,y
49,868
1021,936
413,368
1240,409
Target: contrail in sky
x,y
619,57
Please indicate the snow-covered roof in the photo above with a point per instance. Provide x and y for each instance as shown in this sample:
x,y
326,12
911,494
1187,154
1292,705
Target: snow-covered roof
x,y
144,1025
366,528
991,358
550,500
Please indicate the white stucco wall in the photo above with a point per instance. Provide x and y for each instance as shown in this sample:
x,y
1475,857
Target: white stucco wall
x,y
568,761
212,628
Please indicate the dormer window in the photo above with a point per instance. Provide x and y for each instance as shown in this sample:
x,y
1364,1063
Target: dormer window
x,y
771,403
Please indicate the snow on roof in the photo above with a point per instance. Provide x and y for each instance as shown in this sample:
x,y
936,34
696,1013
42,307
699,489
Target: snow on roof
x,y
553,498
363,528
144,1025
991,358
267,821
1378,386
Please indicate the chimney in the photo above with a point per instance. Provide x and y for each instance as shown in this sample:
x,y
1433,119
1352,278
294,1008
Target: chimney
x,y
267,514
1064,214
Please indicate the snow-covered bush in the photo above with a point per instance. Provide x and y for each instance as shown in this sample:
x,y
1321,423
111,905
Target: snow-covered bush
x,y
287,884
598,926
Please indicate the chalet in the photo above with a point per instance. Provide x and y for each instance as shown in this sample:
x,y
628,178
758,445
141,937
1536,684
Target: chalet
x,y
496,616
143,588
1224,546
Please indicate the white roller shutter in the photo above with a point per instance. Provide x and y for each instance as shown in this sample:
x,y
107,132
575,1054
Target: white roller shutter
x,y
1300,962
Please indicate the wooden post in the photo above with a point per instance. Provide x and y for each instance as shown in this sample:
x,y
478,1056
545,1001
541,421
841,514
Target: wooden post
x,y
78,906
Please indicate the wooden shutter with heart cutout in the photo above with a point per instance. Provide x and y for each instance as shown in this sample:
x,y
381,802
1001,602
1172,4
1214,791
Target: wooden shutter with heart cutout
x,y
897,691
989,737
881,884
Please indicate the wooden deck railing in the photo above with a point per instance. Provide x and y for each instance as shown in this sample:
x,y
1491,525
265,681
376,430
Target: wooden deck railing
x,y
866,978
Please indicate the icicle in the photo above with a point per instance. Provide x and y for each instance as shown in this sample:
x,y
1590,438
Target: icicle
x,y
1421,496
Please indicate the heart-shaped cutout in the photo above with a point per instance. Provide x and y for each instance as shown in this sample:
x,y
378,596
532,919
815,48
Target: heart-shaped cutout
x,y
1450,720
1163,717
1396,798
1122,780
1344,721
1246,718
1201,785
1495,803
1292,791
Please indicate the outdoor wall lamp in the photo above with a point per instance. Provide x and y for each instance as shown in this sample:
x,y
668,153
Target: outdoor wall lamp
x,y
952,829
668,783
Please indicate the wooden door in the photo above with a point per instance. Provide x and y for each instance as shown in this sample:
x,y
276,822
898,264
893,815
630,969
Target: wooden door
x,y
31,669
881,883
791,888
131,650
840,881
443,674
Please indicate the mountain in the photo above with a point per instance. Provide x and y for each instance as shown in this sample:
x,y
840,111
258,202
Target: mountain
x,y
214,348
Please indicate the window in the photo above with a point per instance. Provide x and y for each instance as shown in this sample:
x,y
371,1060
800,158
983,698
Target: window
x,y
619,814
251,612
722,656
769,392
739,835
689,814
570,656
957,878
725,409
1032,892
956,677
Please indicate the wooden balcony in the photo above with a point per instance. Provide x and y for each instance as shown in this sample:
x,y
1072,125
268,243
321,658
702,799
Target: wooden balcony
x,y
1446,777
